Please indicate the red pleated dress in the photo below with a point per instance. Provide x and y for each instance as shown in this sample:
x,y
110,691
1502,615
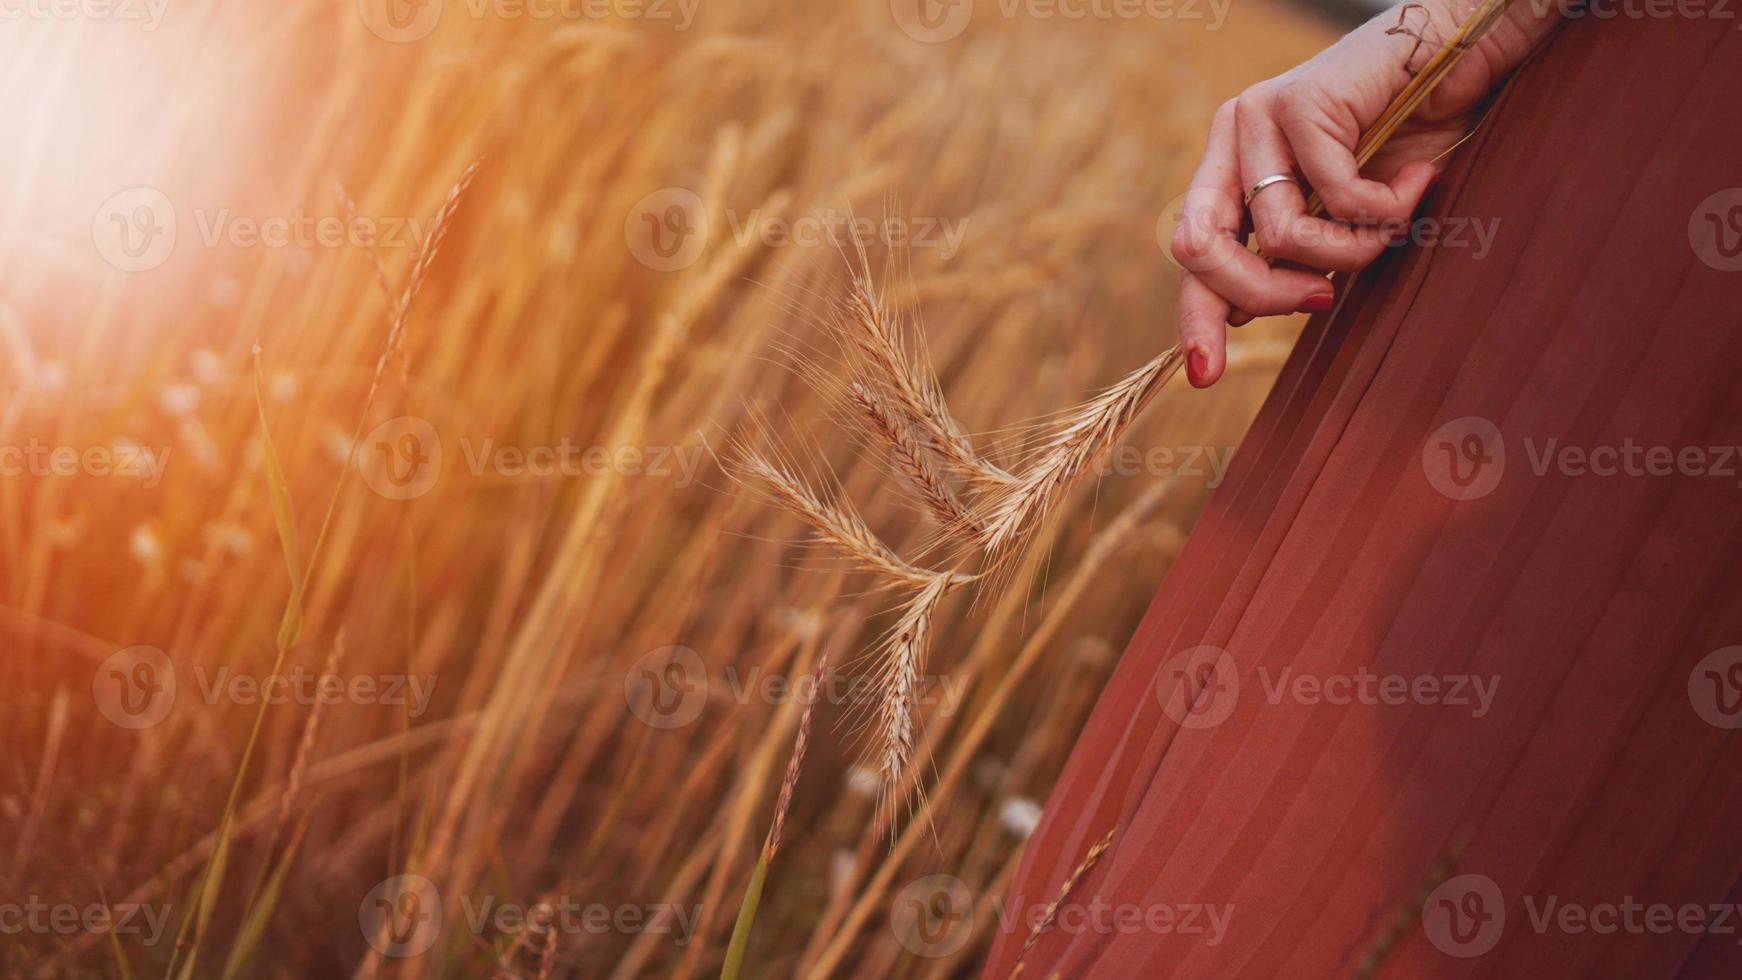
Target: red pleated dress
x,y
1448,679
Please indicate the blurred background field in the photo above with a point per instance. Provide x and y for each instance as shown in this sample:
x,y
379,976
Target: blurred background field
x,y
607,647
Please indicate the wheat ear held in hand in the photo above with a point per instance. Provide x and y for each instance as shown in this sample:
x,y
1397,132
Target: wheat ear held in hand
x,y
986,511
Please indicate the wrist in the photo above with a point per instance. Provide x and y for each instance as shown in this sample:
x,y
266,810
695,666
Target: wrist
x,y
1501,48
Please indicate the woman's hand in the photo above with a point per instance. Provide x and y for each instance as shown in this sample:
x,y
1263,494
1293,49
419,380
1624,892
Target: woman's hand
x,y
1307,122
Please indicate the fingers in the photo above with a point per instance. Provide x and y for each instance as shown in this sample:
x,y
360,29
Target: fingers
x,y
1262,134
1201,336
1207,235
1260,289
1328,161
1279,217
1207,240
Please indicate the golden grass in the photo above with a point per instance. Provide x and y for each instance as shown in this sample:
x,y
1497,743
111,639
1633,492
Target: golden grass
x,y
539,603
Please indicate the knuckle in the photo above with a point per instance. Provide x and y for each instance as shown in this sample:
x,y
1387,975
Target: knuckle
x,y
1286,98
1249,105
1192,243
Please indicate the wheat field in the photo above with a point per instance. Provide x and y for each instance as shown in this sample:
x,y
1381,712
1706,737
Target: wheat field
x,y
378,599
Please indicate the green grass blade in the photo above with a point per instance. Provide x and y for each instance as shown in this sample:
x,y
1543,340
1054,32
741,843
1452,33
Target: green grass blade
x,y
746,918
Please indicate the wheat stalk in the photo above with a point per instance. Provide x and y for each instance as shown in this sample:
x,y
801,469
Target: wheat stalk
x,y
902,661
835,519
896,393
1050,914
1076,442
878,339
915,461
904,410
795,764
1422,84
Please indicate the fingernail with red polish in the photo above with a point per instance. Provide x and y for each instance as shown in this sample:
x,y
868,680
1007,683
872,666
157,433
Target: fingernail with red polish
x,y
1320,303
1197,368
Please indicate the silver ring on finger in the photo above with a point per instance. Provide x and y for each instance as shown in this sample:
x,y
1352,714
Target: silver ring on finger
x,y
1266,182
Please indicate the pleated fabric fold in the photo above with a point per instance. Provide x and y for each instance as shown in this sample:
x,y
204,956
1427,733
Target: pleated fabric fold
x,y
1351,539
